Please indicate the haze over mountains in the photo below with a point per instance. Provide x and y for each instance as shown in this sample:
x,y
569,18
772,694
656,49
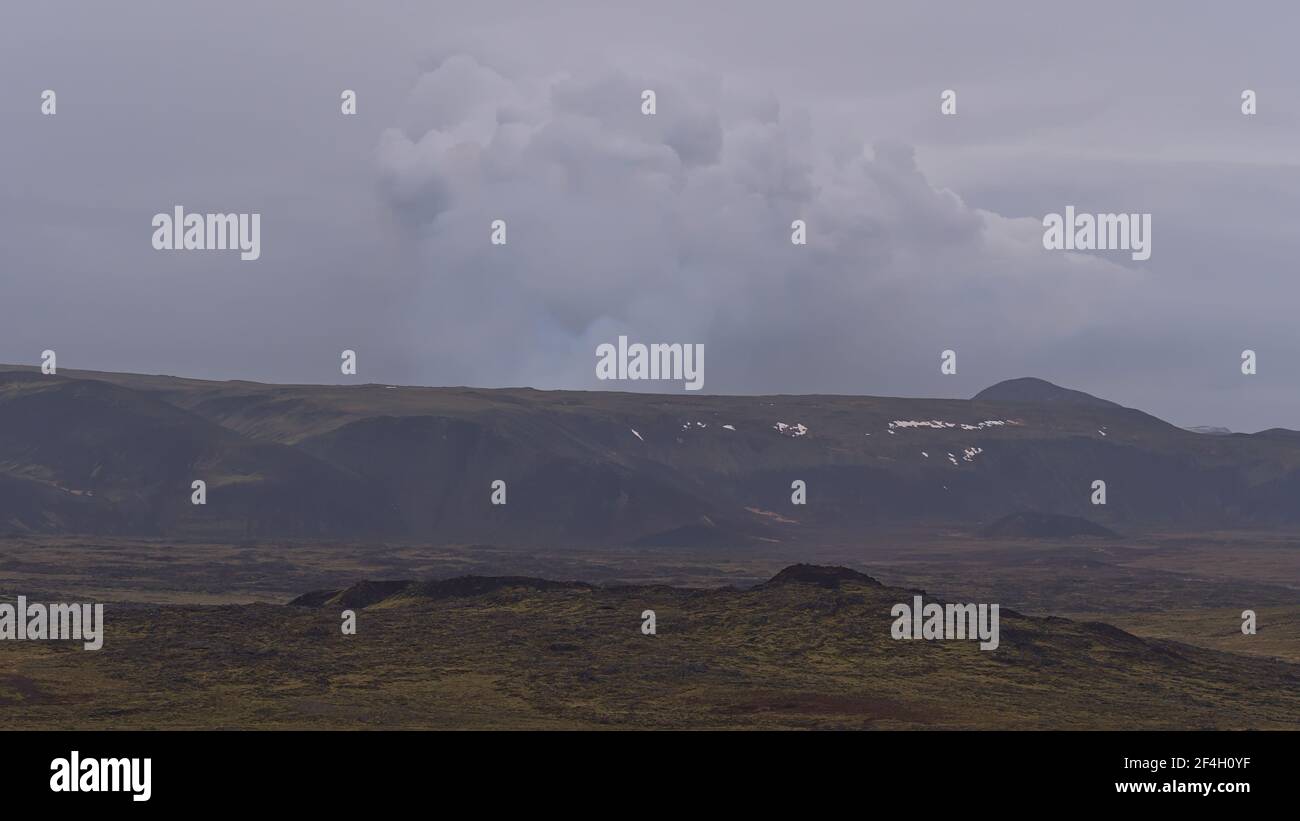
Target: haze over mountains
x,y
115,454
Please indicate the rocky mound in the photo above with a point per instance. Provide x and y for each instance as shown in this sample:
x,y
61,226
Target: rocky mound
x,y
820,575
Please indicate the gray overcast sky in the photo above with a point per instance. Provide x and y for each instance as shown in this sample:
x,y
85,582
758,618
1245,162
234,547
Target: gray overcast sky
x,y
924,231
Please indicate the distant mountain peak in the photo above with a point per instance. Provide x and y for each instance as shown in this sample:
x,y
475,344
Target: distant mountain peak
x,y
1032,389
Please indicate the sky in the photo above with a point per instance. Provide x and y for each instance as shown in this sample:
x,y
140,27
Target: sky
x,y
924,230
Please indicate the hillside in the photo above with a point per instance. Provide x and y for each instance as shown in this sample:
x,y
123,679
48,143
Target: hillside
x,y
1031,525
115,453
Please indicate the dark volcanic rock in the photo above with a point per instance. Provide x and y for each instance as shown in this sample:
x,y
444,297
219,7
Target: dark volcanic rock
x,y
362,594
820,575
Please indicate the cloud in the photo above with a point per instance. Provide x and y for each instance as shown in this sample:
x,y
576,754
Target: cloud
x,y
924,230
676,228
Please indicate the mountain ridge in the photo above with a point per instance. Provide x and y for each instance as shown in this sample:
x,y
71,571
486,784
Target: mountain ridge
x,y
118,455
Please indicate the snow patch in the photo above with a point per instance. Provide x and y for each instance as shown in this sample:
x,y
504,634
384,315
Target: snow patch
x,y
940,424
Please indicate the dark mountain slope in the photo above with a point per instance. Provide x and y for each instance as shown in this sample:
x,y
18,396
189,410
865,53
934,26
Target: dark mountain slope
x,y
1031,525
373,462
95,457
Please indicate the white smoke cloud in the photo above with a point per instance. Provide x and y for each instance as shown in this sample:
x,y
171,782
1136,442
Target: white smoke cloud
x,y
676,228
